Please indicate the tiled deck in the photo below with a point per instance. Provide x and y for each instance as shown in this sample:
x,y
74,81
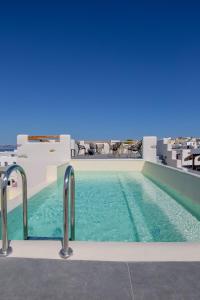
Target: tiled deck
x,y
33,279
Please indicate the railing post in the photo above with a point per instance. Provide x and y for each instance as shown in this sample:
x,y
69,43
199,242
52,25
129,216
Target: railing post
x,y
6,249
69,181
25,205
72,212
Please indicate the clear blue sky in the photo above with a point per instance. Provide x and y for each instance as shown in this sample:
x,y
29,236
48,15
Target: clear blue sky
x,y
99,69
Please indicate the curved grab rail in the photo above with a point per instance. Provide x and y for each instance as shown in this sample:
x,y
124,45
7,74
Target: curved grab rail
x,y
69,182
6,249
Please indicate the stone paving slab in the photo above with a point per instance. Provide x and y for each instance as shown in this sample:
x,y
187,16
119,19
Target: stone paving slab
x,y
35,279
165,280
31,279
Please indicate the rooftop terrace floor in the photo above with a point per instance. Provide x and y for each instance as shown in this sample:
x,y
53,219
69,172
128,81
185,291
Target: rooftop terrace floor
x,y
22,278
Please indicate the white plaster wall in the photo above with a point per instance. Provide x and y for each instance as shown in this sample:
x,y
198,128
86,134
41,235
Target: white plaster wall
x,y
82,143
51,173
149,148
72,144
39,158
7,157
74,148
162,146
106,149
61,170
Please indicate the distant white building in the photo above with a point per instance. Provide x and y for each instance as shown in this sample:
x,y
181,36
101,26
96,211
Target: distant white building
x,y
191,143
174,154
8,158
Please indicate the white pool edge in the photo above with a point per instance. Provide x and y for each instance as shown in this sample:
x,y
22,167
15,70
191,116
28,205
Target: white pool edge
x,y
109,251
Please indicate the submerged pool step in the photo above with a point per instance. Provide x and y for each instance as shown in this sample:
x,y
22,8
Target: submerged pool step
x,y
137,216
43,238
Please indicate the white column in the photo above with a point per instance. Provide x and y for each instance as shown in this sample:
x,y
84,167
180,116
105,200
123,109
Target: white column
x,y
22,139
149,148
65,139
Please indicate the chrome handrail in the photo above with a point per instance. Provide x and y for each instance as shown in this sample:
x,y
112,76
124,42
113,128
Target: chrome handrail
x,y
69,181
6,248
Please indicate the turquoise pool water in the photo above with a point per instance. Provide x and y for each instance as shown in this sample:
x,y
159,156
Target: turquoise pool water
x,y
110,206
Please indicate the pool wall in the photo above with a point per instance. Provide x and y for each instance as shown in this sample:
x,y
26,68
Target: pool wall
x,y
108,164
185,185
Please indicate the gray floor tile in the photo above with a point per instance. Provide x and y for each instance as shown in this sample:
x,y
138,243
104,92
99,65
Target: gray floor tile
x,y
32,279
170,280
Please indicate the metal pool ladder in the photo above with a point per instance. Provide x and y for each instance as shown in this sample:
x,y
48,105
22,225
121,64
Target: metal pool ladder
x,y
69,183
6,248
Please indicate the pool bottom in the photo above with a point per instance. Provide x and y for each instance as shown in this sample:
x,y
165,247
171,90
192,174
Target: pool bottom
x,y
110,206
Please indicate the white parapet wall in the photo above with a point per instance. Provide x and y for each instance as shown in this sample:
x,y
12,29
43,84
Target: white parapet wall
x,y
149,145
40,159
8,158
184,186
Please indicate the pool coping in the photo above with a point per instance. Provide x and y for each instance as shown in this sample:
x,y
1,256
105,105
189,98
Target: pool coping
x,y
109,251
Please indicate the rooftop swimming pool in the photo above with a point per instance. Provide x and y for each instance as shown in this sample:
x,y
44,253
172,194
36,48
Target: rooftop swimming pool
x,y
110,206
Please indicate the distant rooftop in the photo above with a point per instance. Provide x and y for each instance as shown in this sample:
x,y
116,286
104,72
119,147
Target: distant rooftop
x,y
196,151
